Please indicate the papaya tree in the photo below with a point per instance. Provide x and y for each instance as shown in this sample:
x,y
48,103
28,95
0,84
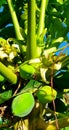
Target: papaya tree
x,y
34,67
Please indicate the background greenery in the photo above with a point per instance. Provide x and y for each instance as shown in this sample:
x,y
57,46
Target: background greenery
x,y
30,35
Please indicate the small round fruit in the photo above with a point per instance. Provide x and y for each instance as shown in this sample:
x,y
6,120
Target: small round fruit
x,y
26,71
46,94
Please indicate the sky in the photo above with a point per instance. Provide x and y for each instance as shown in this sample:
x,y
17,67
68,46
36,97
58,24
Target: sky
x,y
1,9
66,50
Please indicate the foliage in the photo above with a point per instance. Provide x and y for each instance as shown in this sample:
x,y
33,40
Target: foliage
x,y
31,72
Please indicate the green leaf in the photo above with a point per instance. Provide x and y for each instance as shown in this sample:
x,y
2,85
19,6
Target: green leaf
x,y
31,86
23,104
66,128
2,79
60,1
1,120
5,96
2,2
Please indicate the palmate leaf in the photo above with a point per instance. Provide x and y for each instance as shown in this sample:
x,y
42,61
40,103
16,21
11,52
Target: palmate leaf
x,y
23,104
2,2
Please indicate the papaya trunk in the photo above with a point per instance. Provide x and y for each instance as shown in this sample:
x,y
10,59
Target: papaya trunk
x,y
31,41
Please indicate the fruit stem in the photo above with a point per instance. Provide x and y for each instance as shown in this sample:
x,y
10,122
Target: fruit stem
x,y
54,106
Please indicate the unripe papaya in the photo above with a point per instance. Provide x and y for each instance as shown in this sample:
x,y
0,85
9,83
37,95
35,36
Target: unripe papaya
x,y
46,94
26,71
23,104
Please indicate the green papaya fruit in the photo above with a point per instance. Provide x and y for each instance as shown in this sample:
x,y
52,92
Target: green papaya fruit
x,y
26,71
23,104
46,94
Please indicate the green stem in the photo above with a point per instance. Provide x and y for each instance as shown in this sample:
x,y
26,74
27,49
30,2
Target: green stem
x,y
31,41
8,74
15,20
44,5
